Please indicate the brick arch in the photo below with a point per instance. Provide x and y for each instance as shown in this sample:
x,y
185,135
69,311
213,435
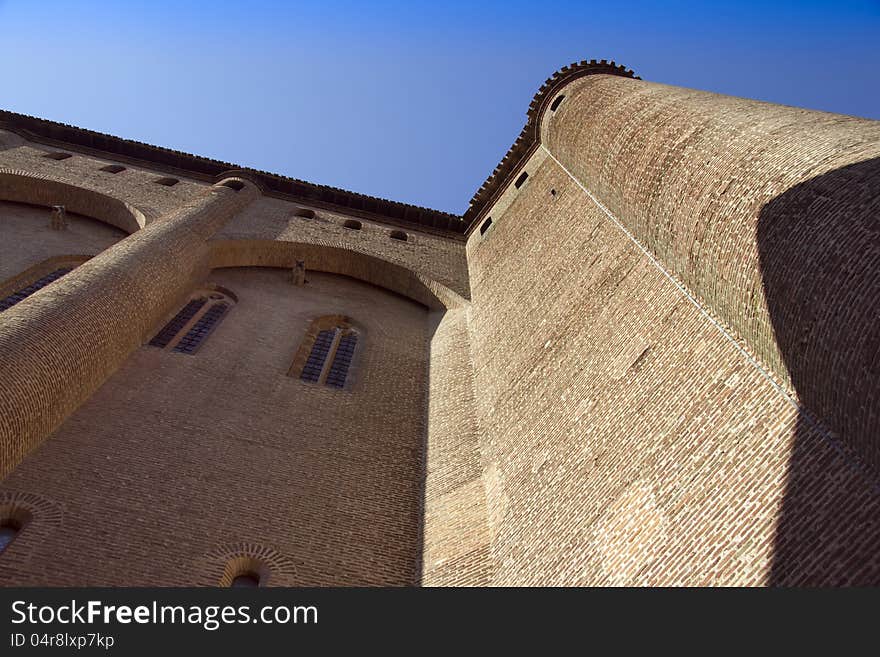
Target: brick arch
x,y
222,564
38,516
35,189
335,260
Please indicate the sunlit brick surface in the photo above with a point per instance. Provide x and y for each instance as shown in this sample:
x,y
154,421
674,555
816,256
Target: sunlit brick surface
x,y
178,456
629,441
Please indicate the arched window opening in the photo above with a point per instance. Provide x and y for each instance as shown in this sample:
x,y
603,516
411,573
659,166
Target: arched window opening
x,y
58,155
341,360
556,102
399,235
9,531
181,319
326,353
351,224
305,213
314,366
521,180
113,168
244,571
187,331
25,292
12,523
209,320
485,226
237,185
167,182
246,580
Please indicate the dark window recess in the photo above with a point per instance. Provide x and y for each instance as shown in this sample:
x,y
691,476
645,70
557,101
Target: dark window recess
x,y
113,168
556,103
398,235
351,224
521,180
173,327
248,580
315,363
341,361
8,532
168,182
237,185
24,293
58,156
485,226
197,334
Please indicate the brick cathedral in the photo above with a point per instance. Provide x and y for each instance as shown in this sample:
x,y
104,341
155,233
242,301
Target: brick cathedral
x,y
647,354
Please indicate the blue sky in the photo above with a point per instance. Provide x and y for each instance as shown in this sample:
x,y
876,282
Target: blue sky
x,y
412,101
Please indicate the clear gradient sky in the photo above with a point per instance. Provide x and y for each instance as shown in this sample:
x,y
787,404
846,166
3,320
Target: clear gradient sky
x,y
412,101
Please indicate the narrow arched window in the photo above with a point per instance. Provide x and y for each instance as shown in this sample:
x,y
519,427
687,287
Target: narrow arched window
x,y
314,366
556,102
232,183
326,354
245,571
245,580
351,224
521,180
399,235
12,524
485,226
25,292
338,371
9,531
171,329
187,331
209,320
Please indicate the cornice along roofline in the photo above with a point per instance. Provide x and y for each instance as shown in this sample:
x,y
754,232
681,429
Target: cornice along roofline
x,y
528,139
208,170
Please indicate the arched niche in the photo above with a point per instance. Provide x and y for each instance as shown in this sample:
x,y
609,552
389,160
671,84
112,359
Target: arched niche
x,y
21,187
335,260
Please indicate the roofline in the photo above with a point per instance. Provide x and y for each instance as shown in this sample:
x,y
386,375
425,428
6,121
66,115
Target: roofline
x,y
274,185
528,140
202,168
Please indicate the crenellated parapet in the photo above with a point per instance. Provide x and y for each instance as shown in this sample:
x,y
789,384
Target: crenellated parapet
x,y
529,138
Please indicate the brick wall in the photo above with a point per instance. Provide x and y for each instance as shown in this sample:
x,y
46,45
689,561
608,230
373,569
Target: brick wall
x,y
181,462
636,436
767,213
332,492
60,344
675,387
441,259
457,540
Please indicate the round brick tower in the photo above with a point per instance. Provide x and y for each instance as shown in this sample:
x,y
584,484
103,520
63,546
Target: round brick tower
x,y
675,337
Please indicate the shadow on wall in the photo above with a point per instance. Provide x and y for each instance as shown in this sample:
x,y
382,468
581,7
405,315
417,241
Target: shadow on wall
x,y
819,247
